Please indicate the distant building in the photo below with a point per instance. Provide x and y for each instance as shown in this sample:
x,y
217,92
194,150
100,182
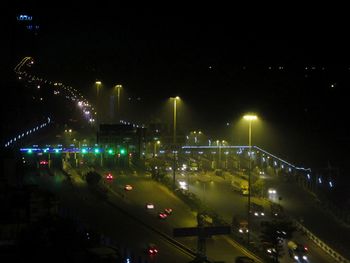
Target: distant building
x,y
122,136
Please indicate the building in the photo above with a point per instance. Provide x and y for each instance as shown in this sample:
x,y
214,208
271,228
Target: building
x,y
122,136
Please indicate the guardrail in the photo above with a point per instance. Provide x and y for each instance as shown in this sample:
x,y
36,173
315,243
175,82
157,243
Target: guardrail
x,y
335,255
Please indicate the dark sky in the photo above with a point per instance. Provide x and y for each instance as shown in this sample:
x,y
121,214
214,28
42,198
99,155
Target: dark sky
x,y
216,58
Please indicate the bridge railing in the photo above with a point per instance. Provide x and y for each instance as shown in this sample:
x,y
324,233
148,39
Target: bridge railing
x,y
335,255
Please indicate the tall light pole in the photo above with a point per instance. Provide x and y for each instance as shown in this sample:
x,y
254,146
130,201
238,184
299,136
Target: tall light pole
x,y
98,85
118,87
174,140
155,148
249,118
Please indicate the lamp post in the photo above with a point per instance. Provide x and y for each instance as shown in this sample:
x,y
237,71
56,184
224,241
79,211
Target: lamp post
x,y
155,148
98,85
249,118
174,140
118,87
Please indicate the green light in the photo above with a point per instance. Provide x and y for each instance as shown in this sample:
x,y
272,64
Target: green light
x,y
45,151
122,151
56,150
30,151
97,150
110,151
84,150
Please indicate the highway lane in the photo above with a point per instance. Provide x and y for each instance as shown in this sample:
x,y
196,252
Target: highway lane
x,y
219,196
146,190
112,222
214,194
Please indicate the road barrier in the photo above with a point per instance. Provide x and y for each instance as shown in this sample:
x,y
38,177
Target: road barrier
x,y
335,255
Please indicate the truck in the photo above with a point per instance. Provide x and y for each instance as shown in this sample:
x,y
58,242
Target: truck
x,y
240,184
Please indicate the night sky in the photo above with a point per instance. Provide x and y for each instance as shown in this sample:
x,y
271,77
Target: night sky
x,y
222,61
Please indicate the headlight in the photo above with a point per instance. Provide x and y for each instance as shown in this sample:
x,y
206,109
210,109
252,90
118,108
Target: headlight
x,y
296,257
256,214
262,214
240,231
305,257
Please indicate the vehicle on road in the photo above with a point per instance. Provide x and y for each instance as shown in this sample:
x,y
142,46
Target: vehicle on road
x,y
128,187
277,211
150,206
269,249
168,211
204,219
242,226
152,249
162,215
297,252
240,184
257,210
109,176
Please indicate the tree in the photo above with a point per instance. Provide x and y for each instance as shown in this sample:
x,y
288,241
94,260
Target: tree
x,y
258,187
93,178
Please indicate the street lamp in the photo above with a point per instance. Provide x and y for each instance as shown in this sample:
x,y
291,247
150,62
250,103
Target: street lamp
x,y
98,85
118,87
155,148
174,139
174,131
249,118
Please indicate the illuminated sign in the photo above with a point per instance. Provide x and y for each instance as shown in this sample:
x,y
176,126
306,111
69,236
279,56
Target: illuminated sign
x,y
24,18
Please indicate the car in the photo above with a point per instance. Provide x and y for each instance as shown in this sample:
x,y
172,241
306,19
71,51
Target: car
x,y
162,215
150,206
168,210
269,249
244,260
152,249
277,211
297,251
257,210
128,187
109,176
243,226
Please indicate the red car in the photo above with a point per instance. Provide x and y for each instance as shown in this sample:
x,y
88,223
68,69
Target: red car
x,y
152,249
163,215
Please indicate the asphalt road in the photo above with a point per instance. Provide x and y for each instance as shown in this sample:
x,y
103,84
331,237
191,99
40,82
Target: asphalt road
x,y
106,219
219,248
217,194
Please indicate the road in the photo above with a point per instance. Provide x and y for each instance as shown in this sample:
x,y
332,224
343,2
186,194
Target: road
x,y
112,222
303,205
219,248
218,195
